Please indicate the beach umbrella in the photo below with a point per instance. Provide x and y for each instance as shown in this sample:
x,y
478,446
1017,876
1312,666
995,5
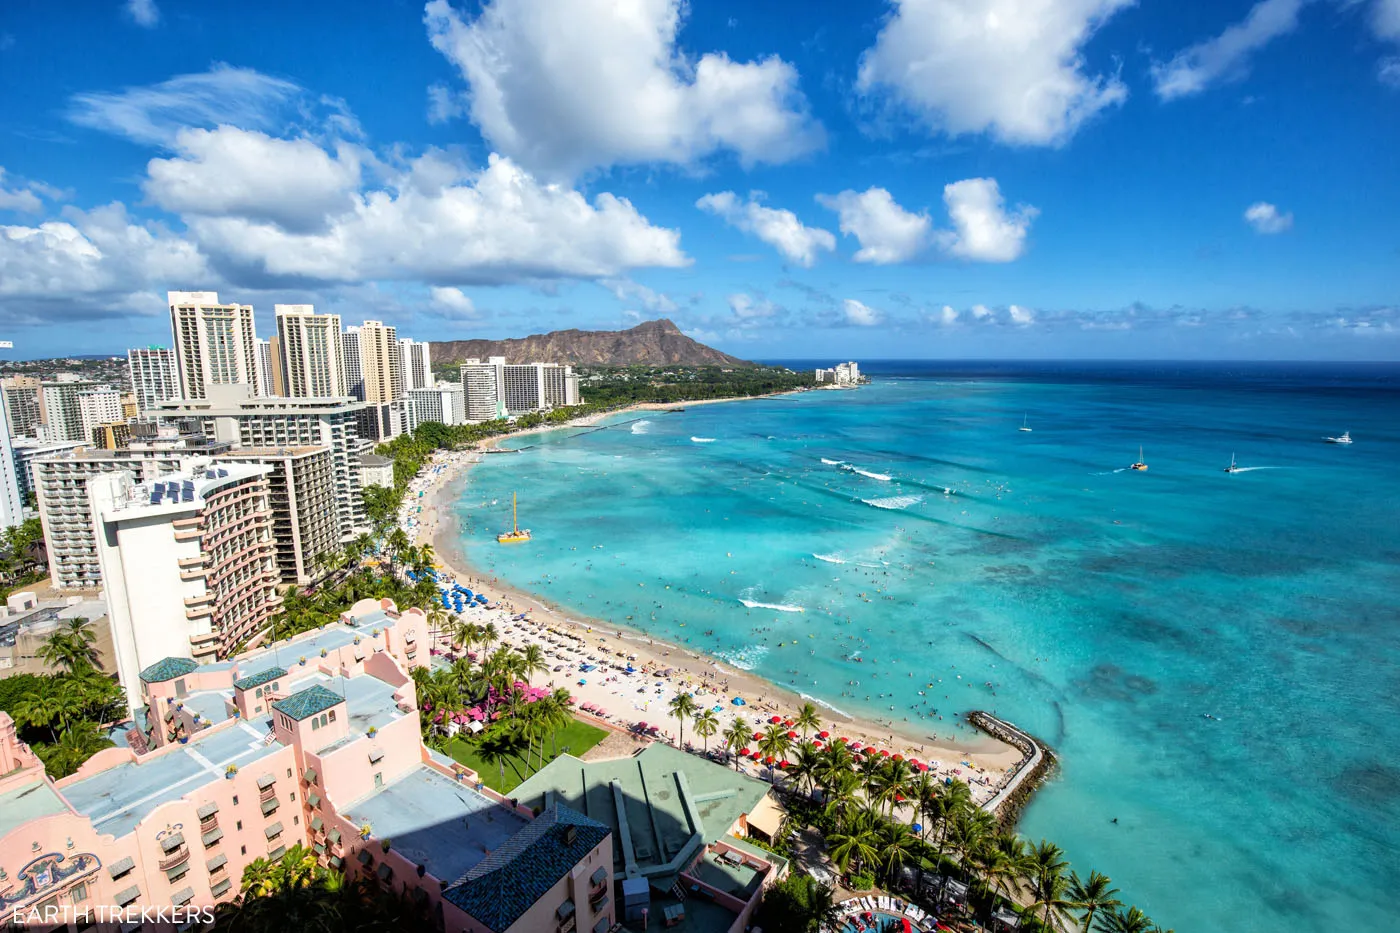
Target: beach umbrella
x,y
768,760
775,720
792,735
917,827
788,722
737,701
758,736
783,764
843,739
744,752
824,734
898,758
884,754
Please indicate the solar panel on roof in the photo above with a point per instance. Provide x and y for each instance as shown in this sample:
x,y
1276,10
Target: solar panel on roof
x,y
223,472
189,495
155,497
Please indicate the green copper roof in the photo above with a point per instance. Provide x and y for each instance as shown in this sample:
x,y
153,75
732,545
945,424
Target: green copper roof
x,y
501,887
257,680
308,702
168,669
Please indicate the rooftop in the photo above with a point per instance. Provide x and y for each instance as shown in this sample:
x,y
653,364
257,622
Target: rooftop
x,y
314,699
30,802
668,803
118,798
260,678
436,822
502,887
168,669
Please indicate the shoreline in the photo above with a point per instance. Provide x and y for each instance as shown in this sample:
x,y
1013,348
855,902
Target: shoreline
x,y
987,763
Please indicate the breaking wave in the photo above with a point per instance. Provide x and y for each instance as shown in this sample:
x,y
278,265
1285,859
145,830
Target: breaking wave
x,y
882,477
893,502
703,440
641,427
835,709
832,462
745,659
830,558
777,607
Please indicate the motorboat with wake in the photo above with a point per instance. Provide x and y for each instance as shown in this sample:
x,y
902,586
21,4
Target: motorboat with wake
x,y
1344,439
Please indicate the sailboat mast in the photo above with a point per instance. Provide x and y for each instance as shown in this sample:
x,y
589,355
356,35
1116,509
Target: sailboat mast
x,y
514,515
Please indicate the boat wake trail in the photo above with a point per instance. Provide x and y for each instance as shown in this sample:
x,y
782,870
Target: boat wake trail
x,y
832,462
702,440
893,502
777,607
1109,472
1252,469
830,558
641,427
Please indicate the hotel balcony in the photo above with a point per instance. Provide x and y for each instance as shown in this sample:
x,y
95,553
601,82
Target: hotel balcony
x,y
189,563
177,857
188,521
199,600
199,612
188,534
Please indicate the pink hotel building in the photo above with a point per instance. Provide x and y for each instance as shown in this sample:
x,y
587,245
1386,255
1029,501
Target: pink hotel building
x,y
314,741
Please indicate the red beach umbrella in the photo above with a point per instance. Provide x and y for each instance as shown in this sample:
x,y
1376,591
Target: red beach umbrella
x,y
758,736
898,758
744,752
843,739
775,720
783,764
792,735
787,722
825,735
768,760
884,754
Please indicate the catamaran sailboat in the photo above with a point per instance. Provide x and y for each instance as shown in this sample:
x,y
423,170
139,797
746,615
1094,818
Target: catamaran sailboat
x,y
1344,439
516,534
1232,468
1141,465
1024,426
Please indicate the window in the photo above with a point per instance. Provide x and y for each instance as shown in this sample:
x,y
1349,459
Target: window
x,y
240,822
332,714
242,850
315,724
378,779
296,821
289,772
235,800
79,893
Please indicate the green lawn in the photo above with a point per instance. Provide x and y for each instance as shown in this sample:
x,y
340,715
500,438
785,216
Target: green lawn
x,y
575,738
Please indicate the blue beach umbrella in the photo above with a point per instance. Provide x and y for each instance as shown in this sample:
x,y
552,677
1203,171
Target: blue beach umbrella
x,y
738,701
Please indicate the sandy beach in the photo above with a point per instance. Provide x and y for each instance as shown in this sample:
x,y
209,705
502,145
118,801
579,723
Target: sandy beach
x,y
659,670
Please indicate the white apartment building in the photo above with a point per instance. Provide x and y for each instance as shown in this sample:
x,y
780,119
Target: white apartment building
x,y
301,491
842,374
187,563
269,367
22,406
445,402
483,388
496,388
60,480
230,415
26,450
416,364
313,352
154,375
11,503
61,412
99,406
215,344
350,359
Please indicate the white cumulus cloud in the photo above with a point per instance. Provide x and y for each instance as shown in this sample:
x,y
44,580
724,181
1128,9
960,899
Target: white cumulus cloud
x,y
293,183
629,292
780,229
143,12
564,86
1226,56
749,309
1011,68
861,314
439,221
1020,316
887,232
453,300
983,229
1266,218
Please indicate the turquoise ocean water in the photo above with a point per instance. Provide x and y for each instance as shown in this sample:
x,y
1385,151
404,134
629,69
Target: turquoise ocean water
x,y
1103,609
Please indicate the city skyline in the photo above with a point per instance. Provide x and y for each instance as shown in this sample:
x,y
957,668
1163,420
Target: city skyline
x,y
917,178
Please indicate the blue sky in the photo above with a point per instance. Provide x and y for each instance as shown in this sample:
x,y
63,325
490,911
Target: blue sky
x,y
915,178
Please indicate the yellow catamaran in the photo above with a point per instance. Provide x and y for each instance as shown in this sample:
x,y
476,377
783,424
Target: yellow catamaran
x,y
516,534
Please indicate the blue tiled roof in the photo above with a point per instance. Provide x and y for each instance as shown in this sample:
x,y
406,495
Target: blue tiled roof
x,y
501,887
168,669
308,702
257,680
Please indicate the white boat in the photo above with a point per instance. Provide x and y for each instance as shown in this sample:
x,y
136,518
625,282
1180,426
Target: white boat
x,y
1344,439
1025,427
1232,468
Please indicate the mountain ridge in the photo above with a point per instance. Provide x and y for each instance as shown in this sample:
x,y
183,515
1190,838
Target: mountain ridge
x,y
650,343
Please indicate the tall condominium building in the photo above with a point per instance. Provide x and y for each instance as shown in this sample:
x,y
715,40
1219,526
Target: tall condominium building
x,y
350,359
301,490
60,484
187,562
380,361
154,375
98,406
26,450
11,502
313,352
445,402
417,365
22,406
231,415
215,344
269,367
61,411
112,436
483,388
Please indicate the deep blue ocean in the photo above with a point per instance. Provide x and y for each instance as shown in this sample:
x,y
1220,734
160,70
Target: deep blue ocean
x,y
1031,574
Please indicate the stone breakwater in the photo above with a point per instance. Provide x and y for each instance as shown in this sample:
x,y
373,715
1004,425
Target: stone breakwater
x,y
1034,769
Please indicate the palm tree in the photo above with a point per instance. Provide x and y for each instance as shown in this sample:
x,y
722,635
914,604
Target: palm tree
x,y
855,843
897,843
1001,863
1131,920
890,783
842,800
807,719
39,709
1092,897
532,661
736,737
489,636
775,744
683,707
438,621
836,760
805,766
1049,887
706,725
